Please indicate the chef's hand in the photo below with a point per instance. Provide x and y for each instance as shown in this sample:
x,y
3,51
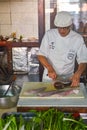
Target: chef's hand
x,y
75,79
52,74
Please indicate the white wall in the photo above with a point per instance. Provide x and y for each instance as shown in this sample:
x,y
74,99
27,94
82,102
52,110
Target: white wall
x,y
20,16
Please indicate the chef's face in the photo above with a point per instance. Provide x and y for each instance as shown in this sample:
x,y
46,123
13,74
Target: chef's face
x,y
64,31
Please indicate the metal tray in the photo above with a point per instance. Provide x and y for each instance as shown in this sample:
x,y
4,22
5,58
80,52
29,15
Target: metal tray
x,y
26,115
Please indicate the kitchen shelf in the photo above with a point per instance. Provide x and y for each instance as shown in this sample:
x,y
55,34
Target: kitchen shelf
x,y
11,44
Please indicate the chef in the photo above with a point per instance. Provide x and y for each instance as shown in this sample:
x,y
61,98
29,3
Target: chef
x,y
60,48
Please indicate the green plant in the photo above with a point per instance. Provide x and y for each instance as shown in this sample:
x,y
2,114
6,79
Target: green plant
x,y
51,119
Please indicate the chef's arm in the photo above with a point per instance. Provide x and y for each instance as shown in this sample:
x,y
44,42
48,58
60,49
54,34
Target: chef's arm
x,y
51,72
76,77
81,68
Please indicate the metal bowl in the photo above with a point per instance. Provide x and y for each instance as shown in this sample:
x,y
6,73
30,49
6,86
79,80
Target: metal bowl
x,y
10,99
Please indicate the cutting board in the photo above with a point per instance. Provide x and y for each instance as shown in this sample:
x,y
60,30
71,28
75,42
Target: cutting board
x,y
47,90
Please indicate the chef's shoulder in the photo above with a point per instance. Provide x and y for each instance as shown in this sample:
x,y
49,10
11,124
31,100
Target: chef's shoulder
x,y
51,31
77,35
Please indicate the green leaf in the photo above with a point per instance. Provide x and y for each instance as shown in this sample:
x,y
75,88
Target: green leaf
x,y
1,124
22,128
7,125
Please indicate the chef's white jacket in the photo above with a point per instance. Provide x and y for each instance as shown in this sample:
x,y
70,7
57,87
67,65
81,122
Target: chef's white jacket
x,y
62,51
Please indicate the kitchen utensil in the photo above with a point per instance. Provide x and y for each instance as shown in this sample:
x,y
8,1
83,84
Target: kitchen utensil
x,y
10,97
11,85
62,81
60,85
8,89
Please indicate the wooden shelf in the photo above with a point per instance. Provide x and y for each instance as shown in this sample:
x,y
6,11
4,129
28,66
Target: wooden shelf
x,y
23,44
10,45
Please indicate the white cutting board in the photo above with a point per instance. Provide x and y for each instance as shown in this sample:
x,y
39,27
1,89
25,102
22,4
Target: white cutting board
x,y
31,90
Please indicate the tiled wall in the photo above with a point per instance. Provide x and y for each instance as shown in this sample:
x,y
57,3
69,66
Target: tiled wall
x,y
20,16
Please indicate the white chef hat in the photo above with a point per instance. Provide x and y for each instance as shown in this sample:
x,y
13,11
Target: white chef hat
x,y
63,19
